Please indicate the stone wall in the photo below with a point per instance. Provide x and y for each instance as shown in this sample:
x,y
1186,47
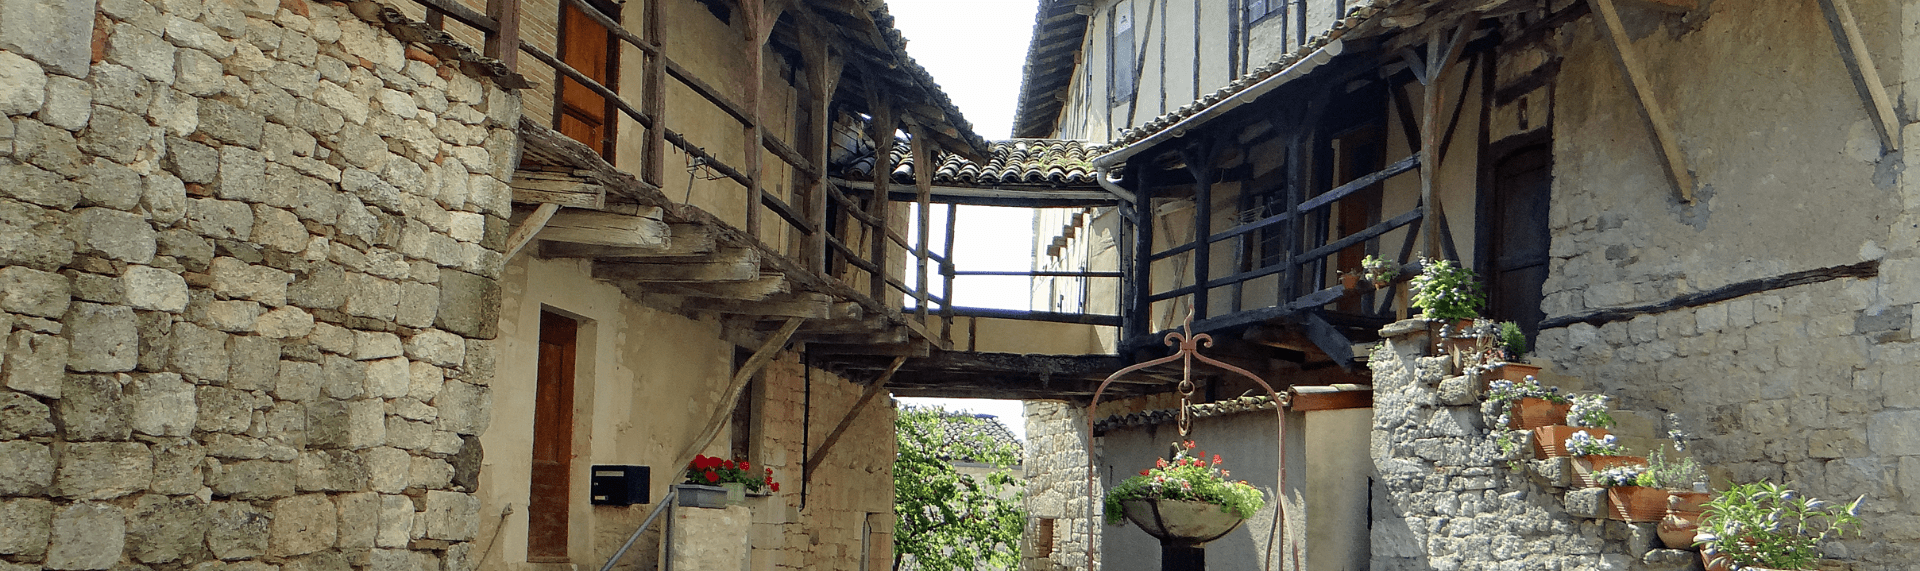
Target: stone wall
x,y
1447,498
247,263
1056,463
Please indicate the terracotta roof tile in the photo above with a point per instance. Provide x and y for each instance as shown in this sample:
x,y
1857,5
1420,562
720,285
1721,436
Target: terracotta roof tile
x,y
1030,162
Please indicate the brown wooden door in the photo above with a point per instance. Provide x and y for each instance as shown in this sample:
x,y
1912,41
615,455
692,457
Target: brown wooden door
x,y
587,46
548,493
1517,268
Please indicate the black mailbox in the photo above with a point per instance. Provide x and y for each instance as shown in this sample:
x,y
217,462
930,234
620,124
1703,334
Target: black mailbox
x,y
619,485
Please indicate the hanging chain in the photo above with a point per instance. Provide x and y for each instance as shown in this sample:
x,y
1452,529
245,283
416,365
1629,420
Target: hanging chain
x,y
1186,403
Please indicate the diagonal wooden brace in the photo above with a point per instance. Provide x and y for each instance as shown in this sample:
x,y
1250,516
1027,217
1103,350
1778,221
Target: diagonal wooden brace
x,y
724,412
873,389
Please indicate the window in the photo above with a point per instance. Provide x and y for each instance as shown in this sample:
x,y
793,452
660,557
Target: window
x,y
581,113
1258,10
1120,54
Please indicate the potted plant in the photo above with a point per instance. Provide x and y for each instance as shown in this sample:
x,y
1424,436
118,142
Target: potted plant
x,y
1186,501
1379,271
1686,488
1508,357
1524,406
1446,292
1764,525
1630,495
713,482
1585,412
1591,454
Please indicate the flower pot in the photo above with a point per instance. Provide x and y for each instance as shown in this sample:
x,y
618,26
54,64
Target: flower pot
x,y
1530,413
1350,282
1676,532
1516,372
1585,466
1636,503
736,492
692,496
1551,441
1181,522
1688,505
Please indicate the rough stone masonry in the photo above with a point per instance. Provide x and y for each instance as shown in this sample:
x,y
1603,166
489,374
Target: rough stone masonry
x,y
248,262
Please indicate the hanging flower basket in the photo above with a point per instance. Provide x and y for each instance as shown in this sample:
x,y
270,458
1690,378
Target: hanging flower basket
x,y
1186,523
1532,412
1585,466
1551,441
1636,503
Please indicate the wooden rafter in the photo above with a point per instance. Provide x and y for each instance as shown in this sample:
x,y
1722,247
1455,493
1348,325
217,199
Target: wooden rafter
x,y
1656,114
1853,51
532,225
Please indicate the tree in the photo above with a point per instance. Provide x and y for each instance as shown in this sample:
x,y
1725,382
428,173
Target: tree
x,y
950,521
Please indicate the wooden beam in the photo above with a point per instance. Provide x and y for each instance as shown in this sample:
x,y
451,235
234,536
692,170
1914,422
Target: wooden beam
x,y
823,69
608,229
653,97
1307,399
1656,114
1438,63
767,286
503,42
1862,270
724,413
808,305
1859,60
731,265
880,129
683,241
1675,6
923,167
1330,340
524,233
569,191
819,454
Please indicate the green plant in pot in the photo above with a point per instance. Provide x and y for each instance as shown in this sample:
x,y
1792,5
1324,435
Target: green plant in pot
x,y
1190,487
1765,525
1511,404
1380,271
1447,292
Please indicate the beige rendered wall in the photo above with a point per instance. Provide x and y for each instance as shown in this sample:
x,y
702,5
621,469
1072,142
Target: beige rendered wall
x,y
646,383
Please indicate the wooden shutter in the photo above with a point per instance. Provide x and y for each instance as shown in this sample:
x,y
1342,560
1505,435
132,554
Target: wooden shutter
x,y
549,490
580,113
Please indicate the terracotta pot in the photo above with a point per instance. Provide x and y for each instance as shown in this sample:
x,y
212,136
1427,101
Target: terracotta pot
x,y
1531,413
1677,532
1551,441
1350,282
1516,372
1585,466
1687,505
1636,503
1181,522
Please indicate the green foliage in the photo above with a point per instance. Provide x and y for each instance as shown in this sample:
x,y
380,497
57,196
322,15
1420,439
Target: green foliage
x,y
1187,477
1379,270
1501,394
1669,475
1513,340
1589,411
949,521
1447,292
1765,525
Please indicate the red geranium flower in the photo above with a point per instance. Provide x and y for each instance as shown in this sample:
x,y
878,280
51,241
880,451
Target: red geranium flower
x,y
729,464
1145,472
776,486
713,477
745,466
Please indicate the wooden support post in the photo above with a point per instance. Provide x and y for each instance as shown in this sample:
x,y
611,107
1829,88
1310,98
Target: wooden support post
x,y
528,228
1853,51
881,131
1656,114
1199,157
724,411
653,99
760,18
823,76
923,166
819,454
1438,63
1142,278
947,270
503,43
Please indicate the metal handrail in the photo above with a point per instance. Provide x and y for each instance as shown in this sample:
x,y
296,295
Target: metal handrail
x,y
657,510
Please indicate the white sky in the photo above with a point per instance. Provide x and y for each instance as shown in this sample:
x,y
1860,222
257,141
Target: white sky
x,y
975,49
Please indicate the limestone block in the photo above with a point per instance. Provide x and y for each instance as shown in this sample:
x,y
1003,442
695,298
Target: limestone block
x,y
369,345
425,382
396,521
34,237
114,234
231,316
224,410
24,526
162,529
219,219
93,408
35,363
154,289
22,415
237,530
161,404
231,124
331,471
418,302
298,381
255,363
408,435
1587,502
359,519
26,468
411,409
371,296
33,292
142,52
69,100
303,524
103,470
389,560
235,279
200,353
437,347
451,515
469,305
1458,390
192,161
343,378
23,85
388,378
87,536
464,408
37,186
198,74
242,177
254,480
722,538
1895,433
176,112
284,323
117,135
278,229
429,473
230,447
445,443
324,287
177,466
353,107
346,424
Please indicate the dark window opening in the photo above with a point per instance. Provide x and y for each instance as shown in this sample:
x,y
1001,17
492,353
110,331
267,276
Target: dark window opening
x,y
1258,10
719,8
1120,54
